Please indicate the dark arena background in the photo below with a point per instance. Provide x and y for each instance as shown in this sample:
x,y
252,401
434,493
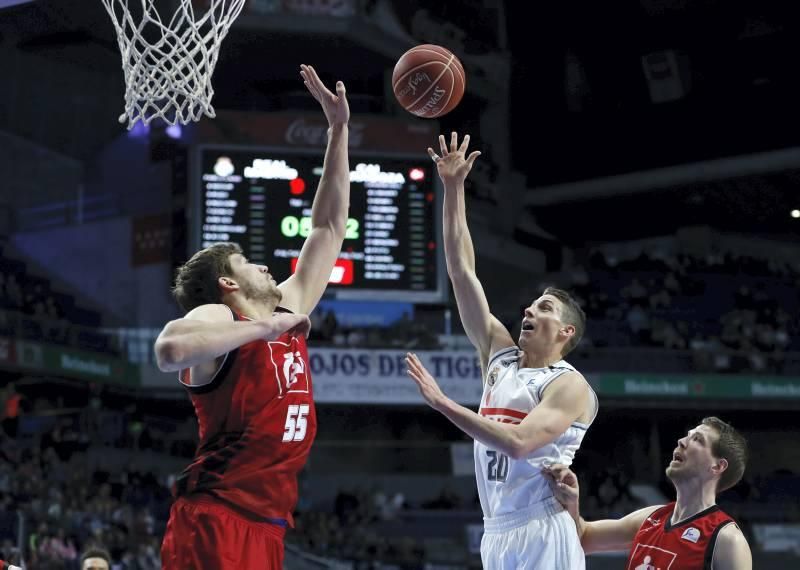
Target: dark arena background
x,y
644,155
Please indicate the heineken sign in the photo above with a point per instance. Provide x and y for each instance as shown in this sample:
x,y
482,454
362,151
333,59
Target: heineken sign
x,y
696,386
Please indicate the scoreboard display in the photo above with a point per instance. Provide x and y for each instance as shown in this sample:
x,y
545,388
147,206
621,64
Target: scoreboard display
x,y
261,199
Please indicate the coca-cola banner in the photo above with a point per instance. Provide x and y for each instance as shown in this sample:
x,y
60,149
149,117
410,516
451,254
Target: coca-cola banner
x,y
309,131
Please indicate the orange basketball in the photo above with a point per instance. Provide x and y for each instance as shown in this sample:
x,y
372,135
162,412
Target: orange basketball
x,y
428,81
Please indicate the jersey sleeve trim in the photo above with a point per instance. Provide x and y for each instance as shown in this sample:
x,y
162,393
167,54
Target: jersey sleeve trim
x,y
219,375
550,380
499,354
712,544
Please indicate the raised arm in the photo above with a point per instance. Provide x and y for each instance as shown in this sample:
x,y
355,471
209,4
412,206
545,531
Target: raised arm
x,y
563,402
302,291
209,332
610,535
484,330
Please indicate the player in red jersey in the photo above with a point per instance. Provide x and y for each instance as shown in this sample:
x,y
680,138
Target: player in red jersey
x,y
692,533
242,356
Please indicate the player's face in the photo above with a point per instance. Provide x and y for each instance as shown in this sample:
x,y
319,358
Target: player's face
x,y
95,564
541,323
255,281
693,457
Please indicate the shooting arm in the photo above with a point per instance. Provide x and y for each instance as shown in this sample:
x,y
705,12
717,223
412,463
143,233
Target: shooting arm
x,y
484,330
302,291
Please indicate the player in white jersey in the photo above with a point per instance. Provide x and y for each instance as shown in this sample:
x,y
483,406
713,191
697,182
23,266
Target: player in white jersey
x,y
535,407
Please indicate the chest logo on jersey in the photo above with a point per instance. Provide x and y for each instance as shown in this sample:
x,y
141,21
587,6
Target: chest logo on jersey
x,y
291,371
691,534
646,557
493,375
654,522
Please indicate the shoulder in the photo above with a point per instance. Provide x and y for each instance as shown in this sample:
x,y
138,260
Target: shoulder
x,y
732,551
644,513
732,537
569,383
636,518
211,313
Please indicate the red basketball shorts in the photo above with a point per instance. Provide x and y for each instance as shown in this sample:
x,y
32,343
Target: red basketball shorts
x,y
203,534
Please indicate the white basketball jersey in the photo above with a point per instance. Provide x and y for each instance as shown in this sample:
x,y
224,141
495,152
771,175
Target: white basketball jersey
x,y
507,485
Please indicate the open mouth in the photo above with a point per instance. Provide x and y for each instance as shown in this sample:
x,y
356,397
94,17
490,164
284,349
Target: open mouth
x,y
677,457
526,326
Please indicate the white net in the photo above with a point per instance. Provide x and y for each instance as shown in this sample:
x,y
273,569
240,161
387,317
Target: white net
x,y
168,63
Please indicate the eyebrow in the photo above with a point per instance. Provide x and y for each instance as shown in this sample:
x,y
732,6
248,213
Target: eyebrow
x,y
698,433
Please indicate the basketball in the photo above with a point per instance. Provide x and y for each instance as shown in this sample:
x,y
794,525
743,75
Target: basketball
x,y
428,81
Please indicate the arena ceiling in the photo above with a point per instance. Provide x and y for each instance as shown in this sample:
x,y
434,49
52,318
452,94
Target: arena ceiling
x,y
580,99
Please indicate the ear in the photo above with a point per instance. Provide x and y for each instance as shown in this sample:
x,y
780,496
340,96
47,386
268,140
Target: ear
x,y
720,466
567,330
227,285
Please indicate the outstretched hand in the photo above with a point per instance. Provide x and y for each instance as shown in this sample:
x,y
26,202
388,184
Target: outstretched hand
x,y
335,106
453,164
426,383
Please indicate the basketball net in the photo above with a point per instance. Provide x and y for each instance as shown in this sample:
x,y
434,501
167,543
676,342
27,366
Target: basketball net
x,y
168,63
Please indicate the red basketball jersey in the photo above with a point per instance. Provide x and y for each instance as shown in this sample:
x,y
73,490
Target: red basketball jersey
x,y
257,422
689,545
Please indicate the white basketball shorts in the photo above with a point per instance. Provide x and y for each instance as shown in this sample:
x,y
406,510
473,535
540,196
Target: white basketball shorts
x,y
541,537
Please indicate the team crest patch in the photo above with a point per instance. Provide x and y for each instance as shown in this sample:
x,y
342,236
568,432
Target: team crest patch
x,y
290,367
492,376
691,534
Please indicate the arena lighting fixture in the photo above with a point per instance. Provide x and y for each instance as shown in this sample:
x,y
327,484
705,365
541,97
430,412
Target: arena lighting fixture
x,y
174,131
9,3
795,214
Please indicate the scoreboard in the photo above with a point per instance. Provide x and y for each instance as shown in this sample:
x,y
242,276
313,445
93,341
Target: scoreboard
x,y
261,199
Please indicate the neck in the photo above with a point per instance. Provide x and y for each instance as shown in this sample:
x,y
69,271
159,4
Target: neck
x,y
693,497
255,310
532,360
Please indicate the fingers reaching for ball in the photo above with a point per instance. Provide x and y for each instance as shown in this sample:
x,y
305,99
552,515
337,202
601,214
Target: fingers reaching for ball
x,y
443,145
453,163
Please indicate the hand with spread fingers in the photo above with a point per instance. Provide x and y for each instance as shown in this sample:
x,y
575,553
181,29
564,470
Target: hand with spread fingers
x,y
564,484
453,164
335,106
426,383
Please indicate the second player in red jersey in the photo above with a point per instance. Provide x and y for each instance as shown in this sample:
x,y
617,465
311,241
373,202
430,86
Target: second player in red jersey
x,y
692,533
688,543
242,356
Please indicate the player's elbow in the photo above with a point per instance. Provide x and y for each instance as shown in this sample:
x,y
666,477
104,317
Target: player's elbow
x,y
169,354
519,447
524,441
